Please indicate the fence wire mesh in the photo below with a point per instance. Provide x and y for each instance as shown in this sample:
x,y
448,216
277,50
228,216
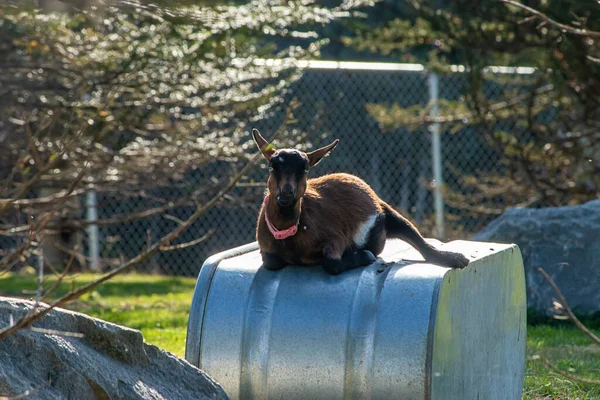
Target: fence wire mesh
x,y
332,104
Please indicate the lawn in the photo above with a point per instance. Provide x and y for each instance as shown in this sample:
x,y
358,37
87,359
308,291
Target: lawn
x,y
158,306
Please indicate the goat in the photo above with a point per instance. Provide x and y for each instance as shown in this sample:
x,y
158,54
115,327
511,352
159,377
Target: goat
x,y
336,220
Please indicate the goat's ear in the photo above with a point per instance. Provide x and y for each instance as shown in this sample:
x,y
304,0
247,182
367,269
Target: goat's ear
x,y
265,147
315,156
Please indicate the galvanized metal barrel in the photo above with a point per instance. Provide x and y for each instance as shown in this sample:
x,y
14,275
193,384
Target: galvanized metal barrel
x,y
398,329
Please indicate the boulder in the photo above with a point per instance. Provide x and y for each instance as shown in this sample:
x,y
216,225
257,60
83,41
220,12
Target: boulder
x,y
107,362
565,241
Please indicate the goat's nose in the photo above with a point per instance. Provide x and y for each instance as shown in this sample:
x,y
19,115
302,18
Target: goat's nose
x,y
287,190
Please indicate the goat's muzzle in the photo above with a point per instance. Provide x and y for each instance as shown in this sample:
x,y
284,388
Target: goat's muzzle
x,y
286,196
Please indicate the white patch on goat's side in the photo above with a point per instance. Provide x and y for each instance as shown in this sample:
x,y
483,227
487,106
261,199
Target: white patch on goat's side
x,y
362,233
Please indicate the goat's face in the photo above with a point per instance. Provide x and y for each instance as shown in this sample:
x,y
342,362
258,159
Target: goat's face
x,y
288,169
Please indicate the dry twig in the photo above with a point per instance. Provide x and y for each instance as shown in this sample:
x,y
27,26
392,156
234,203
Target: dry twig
x,y
567,310
564,308
566,374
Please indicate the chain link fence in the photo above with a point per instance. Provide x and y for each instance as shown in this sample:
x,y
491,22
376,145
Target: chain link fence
x,y
332,100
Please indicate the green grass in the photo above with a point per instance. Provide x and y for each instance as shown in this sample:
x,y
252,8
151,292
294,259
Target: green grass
x,y
570,350
158,306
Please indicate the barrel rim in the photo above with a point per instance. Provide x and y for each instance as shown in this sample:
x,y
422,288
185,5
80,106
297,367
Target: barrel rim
x,y
193,343
430,334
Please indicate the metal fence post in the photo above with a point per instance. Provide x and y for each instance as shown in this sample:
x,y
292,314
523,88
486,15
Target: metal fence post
x,y
92,230
433,80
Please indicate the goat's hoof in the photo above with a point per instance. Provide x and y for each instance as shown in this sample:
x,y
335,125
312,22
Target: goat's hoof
x,y
333,267
333,271
365,257
358,258
272,262
456,260
273,267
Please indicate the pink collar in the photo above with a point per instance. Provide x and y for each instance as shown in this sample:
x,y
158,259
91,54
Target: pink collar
x,y
277,234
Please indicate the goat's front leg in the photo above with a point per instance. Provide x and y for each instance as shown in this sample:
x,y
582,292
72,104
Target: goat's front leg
x,y
272,262
355,258
337,261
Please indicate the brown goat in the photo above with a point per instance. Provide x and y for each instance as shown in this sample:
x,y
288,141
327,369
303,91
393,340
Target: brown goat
x,y
336,220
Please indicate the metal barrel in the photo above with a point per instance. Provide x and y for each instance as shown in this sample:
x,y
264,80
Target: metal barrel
x,y
398,329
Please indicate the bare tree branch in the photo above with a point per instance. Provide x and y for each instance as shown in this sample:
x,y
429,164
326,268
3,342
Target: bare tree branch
x,y
550,21
6,262
567,310
55,332
566,374
61,276
488,115
188,244
41,310
26,186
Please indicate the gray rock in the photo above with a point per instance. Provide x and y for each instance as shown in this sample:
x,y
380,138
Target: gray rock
x,y
565,241
108,362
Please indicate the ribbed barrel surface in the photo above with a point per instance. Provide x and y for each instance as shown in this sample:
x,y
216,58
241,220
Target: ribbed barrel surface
x,y
398,329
